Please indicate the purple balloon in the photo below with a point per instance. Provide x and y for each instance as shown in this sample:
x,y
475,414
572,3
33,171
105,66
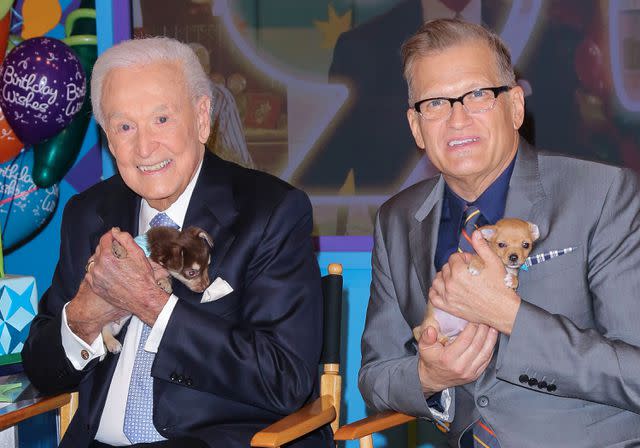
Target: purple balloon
x,y
42,87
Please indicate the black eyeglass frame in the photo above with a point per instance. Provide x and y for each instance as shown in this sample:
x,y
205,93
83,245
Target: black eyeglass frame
x,y
496,91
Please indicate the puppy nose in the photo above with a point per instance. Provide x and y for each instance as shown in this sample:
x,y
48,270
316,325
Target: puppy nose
x,y
513,258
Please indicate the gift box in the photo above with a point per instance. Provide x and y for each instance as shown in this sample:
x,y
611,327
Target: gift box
x,y
18,307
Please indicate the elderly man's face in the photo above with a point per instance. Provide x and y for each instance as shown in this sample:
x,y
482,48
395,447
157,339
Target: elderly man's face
x,y
471,150
156,133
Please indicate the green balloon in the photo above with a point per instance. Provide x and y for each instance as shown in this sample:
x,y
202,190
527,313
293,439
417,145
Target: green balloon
x,y
54,157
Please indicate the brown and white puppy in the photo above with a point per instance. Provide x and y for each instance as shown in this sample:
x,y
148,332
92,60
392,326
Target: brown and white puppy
x,y
185,255
512,240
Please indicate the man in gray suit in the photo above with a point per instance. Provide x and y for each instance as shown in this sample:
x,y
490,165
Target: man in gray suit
x,y
555,363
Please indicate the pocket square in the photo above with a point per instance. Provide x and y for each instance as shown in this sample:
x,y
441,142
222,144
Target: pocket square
x,y
535,259
216,290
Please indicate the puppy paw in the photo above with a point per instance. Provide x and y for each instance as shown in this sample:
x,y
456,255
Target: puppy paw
x,y
165,285
118,250
113,346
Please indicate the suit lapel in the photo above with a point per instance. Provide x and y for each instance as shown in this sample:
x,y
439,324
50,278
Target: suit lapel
x,y
423,236
212,208
119,209
526,200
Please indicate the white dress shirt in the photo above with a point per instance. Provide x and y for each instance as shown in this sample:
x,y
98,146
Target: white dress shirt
x,y
110,430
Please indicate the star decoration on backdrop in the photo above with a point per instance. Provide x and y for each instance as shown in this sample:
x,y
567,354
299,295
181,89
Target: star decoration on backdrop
x,y
333,27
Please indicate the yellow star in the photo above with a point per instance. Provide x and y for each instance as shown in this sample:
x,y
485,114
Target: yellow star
x,y
333,27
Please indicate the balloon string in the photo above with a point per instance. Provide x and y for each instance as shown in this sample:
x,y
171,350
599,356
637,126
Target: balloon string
x,y
18,24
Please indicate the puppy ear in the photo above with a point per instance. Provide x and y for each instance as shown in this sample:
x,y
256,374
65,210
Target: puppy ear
x,y
205,236
488,232
535,232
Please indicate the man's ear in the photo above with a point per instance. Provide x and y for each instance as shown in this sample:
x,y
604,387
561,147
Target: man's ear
x,y
488,232
203,118
414,124
535,232
516,95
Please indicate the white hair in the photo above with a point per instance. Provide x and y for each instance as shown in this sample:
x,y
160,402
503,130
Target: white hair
x,y
141,52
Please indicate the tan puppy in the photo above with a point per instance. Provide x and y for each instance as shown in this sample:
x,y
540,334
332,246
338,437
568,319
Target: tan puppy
x,y
512,240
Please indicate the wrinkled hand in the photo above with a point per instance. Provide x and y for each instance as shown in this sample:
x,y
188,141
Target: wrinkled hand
x,y
128,283
459,362
87,313
482,298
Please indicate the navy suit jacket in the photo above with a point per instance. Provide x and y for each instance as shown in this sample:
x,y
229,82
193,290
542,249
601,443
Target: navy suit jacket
x,y
224,369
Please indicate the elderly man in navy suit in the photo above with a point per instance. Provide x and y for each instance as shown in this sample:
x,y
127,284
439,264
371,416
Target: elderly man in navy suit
x,y
195,370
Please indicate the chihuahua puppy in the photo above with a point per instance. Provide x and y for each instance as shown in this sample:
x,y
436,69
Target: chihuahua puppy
x,y
512,240
184,254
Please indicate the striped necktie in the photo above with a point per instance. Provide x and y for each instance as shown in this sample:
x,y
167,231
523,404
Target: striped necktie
x,y
138,414
479,434
472,219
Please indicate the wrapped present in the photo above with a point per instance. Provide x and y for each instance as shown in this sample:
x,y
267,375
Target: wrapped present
x,y
18,307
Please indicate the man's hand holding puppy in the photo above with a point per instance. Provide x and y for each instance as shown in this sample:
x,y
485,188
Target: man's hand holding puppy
x,y
127,283
459,362
480,298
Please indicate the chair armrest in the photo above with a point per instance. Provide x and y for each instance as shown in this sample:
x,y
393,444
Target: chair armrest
x,y
367,426
301,422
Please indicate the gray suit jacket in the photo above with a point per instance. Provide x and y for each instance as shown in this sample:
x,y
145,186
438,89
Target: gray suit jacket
x,y
578,327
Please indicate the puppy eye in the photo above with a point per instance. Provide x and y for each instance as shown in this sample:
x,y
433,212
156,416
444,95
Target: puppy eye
x,y
502,245
525,245
191,273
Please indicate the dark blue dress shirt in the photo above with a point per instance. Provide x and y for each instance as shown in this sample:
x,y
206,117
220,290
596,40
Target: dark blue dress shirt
x,y
491,203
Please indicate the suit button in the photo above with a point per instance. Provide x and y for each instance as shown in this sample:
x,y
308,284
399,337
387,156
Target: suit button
x,y
188,382
551,387
483,401
173,376
542,385
523,378
180,379
532,382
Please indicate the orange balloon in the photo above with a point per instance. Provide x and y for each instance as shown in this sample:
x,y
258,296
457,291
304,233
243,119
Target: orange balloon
x,y
5,24
39,17
10,146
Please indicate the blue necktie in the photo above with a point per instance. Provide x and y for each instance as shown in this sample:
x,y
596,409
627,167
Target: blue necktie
x,y
479,434
138,414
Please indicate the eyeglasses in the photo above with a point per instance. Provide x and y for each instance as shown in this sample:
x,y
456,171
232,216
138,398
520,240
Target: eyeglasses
x,y
474,102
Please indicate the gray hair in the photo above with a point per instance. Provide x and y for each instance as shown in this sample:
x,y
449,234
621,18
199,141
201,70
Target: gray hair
x,y
440,34
140,52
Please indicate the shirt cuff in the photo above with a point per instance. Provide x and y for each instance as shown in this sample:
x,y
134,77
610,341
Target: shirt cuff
x,y
155,336
78,352
442,410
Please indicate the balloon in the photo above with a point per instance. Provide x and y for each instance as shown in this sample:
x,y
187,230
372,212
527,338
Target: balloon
x,y
40,17
43,87
10,146
24,208
591,67
55,156
5,6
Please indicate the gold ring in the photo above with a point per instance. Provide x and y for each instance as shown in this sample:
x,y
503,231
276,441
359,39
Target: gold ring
x,y
89,264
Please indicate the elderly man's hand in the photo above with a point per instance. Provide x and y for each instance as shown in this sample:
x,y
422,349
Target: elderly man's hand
x,y
87,313
482,298
128,283
459,362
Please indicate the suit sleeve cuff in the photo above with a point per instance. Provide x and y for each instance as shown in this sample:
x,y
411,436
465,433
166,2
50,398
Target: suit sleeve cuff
x,y
157,331
78,352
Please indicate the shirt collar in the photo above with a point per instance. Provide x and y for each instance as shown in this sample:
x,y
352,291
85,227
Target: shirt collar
x,y
491,202
176,211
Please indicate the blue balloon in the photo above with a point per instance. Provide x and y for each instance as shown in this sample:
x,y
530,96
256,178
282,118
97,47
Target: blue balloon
x,y
24,207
